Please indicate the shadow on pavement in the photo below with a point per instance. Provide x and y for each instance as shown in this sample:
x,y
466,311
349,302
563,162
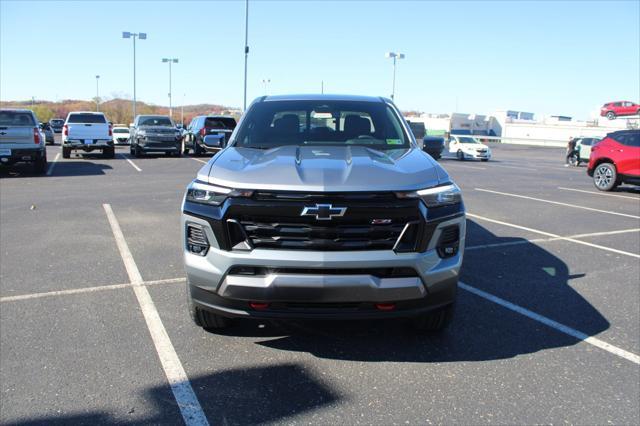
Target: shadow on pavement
x,y
524,274
252,395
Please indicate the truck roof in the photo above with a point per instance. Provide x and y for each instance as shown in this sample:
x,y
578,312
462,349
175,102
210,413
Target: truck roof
x,y
320,97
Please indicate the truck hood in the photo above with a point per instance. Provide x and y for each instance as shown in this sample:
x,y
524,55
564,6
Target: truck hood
x,y
323,169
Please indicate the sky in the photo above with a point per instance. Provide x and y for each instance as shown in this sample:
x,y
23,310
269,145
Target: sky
x,y
545,57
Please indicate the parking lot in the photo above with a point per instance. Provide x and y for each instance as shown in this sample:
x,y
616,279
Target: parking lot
x,y
94,325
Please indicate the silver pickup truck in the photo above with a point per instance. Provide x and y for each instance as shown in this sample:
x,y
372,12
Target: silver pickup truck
x,y
322,207
21,140
87,131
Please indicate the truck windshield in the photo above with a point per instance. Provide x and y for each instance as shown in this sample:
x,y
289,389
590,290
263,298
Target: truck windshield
x,y
270,124
155,121
16,118
86,118
116,130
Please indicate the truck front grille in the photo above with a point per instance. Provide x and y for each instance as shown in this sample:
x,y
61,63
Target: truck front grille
x,y
323,238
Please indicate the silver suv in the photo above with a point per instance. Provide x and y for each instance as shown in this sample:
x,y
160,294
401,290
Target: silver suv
x,y
322,207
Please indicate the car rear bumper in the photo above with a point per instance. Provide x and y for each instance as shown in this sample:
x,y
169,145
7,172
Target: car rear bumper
x,y
94,145
21,155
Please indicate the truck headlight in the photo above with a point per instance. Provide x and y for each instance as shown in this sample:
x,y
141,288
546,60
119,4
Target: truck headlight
x,y
436,196
203,193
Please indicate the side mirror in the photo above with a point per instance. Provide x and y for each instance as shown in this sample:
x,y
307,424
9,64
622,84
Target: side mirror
x,y
212,142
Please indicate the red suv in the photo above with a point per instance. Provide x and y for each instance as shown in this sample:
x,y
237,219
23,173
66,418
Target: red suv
x,y
617,109
615,160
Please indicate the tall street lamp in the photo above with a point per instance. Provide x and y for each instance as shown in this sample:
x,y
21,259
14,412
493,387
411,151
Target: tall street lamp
x,y
97,94
170,61
394,56
246,50
141,36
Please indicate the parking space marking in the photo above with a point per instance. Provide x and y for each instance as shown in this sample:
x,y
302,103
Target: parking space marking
x,y
131,162
507,194
199,160
559,237
630,356
599,193
188,403
86,290
53,164
468,167
515,167
544,240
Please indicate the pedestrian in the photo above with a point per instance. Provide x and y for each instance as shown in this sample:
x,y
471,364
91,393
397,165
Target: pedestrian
x,y
571,146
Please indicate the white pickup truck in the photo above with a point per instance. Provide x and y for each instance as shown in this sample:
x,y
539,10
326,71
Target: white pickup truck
x,y
87,131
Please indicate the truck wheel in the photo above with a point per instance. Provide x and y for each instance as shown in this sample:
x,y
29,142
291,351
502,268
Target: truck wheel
x,y
205,319
611,115
40,165
434,321
66,152
109,152
605,177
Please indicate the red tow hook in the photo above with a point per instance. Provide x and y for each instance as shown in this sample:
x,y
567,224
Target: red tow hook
x,y
259,306
385,306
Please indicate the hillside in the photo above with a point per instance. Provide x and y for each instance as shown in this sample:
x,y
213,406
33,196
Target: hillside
x,y
117,110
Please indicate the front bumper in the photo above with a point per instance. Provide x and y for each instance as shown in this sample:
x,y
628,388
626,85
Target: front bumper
x,y
27,155
121,141
151,145
322,284
477,155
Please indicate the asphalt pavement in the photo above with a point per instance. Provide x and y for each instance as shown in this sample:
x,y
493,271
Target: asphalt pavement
x,y
547,328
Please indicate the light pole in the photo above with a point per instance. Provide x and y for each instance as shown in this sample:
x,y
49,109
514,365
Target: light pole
x,y
141,36
170,61
97,94
394,56
246,50
182,111
265,82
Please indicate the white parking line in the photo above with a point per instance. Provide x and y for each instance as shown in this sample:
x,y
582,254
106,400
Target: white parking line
x,y
599,193
549,234
188,403
53,164
557,203
630,356
199,160
515,167
85,290
544,240
131,162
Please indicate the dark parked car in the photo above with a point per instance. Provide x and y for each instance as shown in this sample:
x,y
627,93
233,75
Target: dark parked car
x,y
48,133
154,133
56,124
433,145
208,125
418,129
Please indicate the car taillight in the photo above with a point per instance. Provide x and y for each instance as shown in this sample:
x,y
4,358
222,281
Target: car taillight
x,y
65,130
36,136
203,131
110,130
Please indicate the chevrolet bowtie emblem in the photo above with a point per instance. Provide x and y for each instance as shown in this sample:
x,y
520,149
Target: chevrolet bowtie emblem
x,y
323,211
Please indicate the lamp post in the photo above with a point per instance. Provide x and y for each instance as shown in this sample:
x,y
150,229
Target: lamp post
x,y
141,36
97,94
170,61
265,82
394,56
246,51
182,111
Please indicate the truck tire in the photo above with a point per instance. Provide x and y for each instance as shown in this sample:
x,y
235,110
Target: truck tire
x,y
66,152
40,165
197,149
109,152
205,319
434,321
